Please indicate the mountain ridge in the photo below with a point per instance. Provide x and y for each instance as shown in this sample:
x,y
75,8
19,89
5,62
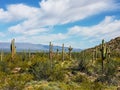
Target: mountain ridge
x,y
33,47
113,44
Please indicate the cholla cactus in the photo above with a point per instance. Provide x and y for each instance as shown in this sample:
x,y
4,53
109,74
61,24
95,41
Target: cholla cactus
x,y
13,48
70,49
63,52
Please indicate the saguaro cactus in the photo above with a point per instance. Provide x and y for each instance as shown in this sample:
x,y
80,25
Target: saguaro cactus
x,y
63,52
94,54
23,55
1,55
13,48
50,51
108,52
29,54
57,53
103,50
70,49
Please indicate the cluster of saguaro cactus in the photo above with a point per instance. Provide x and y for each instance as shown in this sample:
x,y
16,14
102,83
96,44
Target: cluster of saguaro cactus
x,y
62,52
13,48
70,49
50,51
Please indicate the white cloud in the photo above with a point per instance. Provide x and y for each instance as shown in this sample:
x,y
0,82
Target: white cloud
x,y
26,30
107,29
17,12
43,39
35,21
52,12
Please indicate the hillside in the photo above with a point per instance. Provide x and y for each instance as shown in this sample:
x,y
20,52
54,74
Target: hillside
x,y
113,44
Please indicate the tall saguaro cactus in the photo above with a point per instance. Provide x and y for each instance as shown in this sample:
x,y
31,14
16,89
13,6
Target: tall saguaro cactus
x,y
103,50
50,51
1,56
70,49
94,54
108,53
57,53
13,48
63,52
29,54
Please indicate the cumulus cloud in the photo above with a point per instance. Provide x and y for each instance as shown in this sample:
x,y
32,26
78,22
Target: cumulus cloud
x,y
52,12
108,28
43,39
34,22
17,12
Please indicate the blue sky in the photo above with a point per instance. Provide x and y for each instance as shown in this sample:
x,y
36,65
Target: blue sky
x,y
79,23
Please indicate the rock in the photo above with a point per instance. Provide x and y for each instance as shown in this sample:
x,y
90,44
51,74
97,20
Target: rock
x,y
118,69
16,70
118,88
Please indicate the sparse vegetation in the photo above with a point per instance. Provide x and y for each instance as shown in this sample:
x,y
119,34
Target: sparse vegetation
x,y
91,69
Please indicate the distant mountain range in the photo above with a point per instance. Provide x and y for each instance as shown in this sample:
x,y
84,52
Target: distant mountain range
x,y
32,47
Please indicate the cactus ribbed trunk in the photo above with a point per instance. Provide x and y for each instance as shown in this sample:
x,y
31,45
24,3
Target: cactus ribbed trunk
x,y
70,49
13,49
57,53
103,53
50,51
29,54
108,54
51,54
94,56
1,55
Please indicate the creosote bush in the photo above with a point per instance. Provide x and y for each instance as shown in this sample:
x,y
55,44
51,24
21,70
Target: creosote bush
x,y
44,70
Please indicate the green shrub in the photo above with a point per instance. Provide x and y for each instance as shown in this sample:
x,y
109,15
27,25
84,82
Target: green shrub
x,y
16,81
45,70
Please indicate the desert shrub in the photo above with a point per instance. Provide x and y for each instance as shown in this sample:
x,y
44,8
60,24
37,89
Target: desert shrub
x,y
16,81
45,70
83,65
80,78
40,70
3,66
2,79
57,73
109,74
110,71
